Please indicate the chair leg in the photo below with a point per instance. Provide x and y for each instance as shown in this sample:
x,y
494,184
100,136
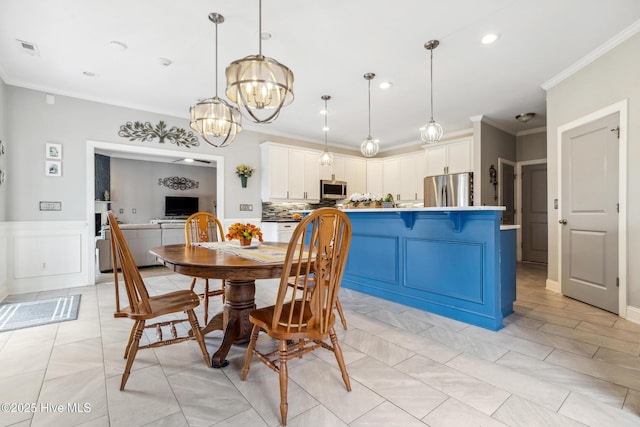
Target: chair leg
x,y
137,330
339,358
341,313
197,332
252,344
193,283
206,301
131,334
284,382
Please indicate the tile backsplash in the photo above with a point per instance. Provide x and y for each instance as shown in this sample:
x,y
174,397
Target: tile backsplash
x,y
272,211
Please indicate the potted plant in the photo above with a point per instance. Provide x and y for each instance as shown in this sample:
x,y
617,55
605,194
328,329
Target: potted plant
x,y
244,172
387,202
366,200
244,233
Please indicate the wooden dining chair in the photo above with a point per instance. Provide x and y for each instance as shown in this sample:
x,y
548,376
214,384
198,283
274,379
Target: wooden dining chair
x,y
303,318
204,227
143,307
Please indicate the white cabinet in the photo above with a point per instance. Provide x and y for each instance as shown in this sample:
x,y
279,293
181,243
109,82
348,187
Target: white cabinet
x,y
403,177
355,173
451,157
289,173
278,231
374,177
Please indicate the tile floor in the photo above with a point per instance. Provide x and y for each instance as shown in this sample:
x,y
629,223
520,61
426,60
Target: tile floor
x,y
557,362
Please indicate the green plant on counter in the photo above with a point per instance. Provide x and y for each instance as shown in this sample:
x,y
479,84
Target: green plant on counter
x,y
388,198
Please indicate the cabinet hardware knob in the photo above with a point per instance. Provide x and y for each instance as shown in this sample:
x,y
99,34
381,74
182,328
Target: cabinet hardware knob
x,y
563,221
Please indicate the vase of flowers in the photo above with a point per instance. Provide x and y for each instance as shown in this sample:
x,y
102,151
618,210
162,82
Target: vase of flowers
x,y
364,201
244,233
244,172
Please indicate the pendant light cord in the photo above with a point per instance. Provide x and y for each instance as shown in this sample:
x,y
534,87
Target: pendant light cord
x,y
431,50
260,28
216,44
325,124
369,81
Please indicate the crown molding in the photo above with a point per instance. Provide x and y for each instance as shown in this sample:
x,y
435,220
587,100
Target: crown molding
x,y
532,131
597,53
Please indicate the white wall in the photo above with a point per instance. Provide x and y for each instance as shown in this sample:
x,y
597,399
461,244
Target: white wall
x,y
4,163
606,81
134,185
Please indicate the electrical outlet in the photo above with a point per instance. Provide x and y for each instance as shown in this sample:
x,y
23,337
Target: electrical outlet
x,y
246,207
121,210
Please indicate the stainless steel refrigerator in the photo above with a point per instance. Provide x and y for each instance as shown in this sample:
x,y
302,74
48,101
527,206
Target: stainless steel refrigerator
x,y
449,190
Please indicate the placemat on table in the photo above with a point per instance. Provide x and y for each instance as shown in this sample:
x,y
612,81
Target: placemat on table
x,y
262,253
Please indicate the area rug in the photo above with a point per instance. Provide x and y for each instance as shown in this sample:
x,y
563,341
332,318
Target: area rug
x,y
26,314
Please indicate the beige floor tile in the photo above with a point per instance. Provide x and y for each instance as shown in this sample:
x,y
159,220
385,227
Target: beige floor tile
x,y
386,415
511,342
527,386
621,334
74,357
632,402
400,389
72,399
617,358
593,338
518,412
316,416
454,413
326,386
22,389
482,396
593,413
551,340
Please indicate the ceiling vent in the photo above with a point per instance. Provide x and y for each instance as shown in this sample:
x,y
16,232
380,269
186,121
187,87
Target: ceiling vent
x,y
28,48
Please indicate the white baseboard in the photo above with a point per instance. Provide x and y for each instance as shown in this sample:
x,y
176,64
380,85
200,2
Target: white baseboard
x,y
553,285
633,314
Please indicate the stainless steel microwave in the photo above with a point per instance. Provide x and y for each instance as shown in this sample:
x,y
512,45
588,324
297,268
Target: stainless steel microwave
x,y
333,190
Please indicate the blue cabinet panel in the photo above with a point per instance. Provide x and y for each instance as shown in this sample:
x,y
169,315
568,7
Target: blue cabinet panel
x,y
374,257
447,268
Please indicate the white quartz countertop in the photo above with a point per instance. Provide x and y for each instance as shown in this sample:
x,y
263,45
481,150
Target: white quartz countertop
x,y
419,209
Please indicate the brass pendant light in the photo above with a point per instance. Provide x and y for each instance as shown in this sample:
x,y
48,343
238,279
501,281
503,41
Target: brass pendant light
x,y
213,118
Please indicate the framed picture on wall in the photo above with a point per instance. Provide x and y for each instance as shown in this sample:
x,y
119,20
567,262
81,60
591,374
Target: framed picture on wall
x,y
54,151
53,168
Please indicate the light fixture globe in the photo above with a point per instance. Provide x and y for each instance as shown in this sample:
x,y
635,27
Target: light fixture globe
x,y
260,85
213,118
432,131
216,121
326,159
369,147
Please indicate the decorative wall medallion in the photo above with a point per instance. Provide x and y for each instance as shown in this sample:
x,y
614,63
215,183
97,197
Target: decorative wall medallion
x,y
178,183
146,132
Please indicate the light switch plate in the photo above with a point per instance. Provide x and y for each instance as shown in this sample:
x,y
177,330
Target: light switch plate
x,y
246,207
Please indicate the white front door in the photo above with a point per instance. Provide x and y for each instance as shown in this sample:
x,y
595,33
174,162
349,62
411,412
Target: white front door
x,y
589,213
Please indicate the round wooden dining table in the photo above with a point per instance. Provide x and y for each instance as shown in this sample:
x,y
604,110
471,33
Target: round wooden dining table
x,y
240,275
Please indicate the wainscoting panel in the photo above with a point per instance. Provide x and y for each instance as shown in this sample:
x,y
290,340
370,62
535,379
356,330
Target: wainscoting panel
x,y
46,255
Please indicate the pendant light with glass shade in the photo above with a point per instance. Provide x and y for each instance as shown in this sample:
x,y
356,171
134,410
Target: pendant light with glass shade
x,y
369,146
213,118
259,85
432,131
326,159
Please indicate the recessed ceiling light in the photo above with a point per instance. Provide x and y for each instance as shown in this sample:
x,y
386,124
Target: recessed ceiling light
x,y
116,45
165,62
188,160
525,117
385,85
490,38
89,74
325,128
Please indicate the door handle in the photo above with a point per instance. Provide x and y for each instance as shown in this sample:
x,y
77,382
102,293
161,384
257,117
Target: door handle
x,y
563,221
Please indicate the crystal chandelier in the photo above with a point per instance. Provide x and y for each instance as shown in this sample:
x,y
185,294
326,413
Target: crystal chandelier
x,y
260,85
432,131
326,159
369,146
216,120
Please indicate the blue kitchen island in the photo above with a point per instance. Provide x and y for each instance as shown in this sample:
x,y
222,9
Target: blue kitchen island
x,y
456,262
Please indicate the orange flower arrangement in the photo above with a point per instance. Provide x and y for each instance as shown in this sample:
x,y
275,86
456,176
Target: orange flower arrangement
x,y
244,231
